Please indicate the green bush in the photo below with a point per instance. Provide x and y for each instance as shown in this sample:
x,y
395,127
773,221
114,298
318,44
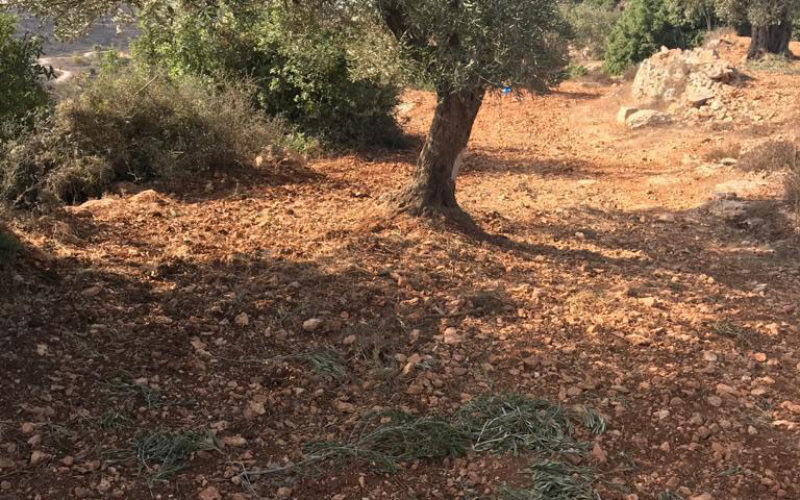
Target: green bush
x,y
644,27
305,70
21,90
592,23
133,127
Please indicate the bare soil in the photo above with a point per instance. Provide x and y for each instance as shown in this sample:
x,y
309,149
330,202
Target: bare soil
x,y
601,278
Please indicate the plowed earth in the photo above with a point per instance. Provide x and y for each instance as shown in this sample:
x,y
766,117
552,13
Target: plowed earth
x,y
602,280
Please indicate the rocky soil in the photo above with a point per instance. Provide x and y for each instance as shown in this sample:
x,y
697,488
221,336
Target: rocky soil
x,y
640,273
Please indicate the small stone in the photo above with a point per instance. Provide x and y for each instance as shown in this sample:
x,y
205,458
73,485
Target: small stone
x,y
5,485
35,440
344,407
234,441
311,325
760,357
574,391
284,492
210,493
715,401
81,492
91,291
752,430
242,319
104,485
349,340
726,390
451,336
703,496
598,454
38,457
710,357
703,432
28,428
662,414
68,461
412,362
414,389
624,113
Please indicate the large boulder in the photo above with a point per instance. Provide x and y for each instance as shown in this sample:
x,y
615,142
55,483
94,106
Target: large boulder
x,y
681,77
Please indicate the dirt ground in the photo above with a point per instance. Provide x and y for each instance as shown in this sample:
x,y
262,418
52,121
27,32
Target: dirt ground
x,y
603,280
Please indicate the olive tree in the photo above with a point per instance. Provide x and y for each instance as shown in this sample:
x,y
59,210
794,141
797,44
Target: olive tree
x,y
462,48
770,21
465,48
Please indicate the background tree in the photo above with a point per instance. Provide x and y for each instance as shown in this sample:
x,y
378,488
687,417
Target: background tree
x,y
461,47
770,21
647,25
21,77
464,48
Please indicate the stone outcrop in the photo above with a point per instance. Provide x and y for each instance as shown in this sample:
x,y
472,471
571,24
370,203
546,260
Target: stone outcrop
x,y
681,77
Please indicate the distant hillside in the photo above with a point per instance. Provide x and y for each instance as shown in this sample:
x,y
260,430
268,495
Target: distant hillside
x,y
103,32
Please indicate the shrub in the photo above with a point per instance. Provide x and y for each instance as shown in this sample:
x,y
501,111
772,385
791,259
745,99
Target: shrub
x,y
21,90
591,23
305,70
134,127
644,27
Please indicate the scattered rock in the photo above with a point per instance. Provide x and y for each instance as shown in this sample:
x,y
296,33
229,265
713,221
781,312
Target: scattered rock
x,y
209,493
242,319
344,406
647,118
624,113
92,291
726,390
598,454
311,325
236,441
38,457
284,492
412,362
451,336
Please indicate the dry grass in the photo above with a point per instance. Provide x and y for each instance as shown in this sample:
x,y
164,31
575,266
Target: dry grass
x,y
771,156
728,149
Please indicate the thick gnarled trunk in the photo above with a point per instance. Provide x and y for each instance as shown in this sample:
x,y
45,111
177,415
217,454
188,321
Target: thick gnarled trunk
x,y
772,39
433,188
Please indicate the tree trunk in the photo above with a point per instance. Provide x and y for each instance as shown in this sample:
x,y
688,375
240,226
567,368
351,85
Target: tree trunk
x,y
772,39
433,188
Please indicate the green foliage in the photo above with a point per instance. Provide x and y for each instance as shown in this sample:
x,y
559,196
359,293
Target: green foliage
x,y
133,127
555,481
385,438
491,423
515,423
313,73
471,45
161,453
644,27
592,23
758,12
21,77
